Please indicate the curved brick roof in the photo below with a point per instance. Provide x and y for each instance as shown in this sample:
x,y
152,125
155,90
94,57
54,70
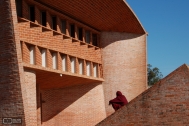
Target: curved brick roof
x,y
103,15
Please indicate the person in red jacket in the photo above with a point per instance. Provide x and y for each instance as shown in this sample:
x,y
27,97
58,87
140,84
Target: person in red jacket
x,y
119,101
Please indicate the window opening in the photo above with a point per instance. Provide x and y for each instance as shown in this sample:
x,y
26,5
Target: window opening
x,y
94,39
80,32
19,8
43,18
87,36
64,26
54,23
72,30
32,13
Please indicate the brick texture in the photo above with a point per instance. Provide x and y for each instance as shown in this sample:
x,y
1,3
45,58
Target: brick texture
x,y
74,106
50,96
11,81
40,37
165,104
124,65
30,82
103,15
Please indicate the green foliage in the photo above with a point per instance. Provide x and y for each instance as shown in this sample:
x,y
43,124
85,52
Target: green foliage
x,y
154,75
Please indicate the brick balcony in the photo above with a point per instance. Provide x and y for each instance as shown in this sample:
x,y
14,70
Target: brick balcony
x,y
43,38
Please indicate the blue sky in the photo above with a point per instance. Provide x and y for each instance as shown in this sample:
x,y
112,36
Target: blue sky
x,y
167,24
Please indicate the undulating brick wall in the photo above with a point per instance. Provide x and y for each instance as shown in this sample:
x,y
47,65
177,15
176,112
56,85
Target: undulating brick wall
x,y
124,65
73,106
12,88
164,104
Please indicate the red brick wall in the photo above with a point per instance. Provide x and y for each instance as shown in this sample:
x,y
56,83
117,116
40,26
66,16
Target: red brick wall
x,y
124,65
12,99
30,82
74,106
46,39
33,34
79,105
166,103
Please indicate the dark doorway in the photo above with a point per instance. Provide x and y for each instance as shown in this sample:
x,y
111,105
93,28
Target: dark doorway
x,y
94,39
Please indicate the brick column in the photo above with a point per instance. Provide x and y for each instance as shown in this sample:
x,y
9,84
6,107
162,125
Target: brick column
x,y
59,24
38,56
59,61
25,10
77,65
76,32
49,20
49,59
67,28
13,100
26,55
84,68
90,38
30,82
83,35
37,15
68,64
92,71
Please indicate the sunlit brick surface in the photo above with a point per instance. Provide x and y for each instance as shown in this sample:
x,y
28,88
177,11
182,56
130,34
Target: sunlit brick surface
x,y
166,103
30,82
124,61
31,88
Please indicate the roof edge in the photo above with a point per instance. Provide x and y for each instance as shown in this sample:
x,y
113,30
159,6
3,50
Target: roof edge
x,y
135,16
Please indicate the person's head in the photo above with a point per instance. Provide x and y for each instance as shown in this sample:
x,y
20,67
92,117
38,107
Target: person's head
x,y
118,93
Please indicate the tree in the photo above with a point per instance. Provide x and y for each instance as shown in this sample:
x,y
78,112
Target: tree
x,y
154,75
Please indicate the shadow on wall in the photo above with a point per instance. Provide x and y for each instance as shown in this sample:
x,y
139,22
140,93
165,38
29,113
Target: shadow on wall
x,y
111,37
57,100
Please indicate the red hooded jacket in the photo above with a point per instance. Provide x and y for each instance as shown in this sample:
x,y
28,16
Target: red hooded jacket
x,y
120,99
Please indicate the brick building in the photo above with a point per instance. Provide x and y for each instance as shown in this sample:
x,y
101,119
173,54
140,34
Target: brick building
x,y
61,61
